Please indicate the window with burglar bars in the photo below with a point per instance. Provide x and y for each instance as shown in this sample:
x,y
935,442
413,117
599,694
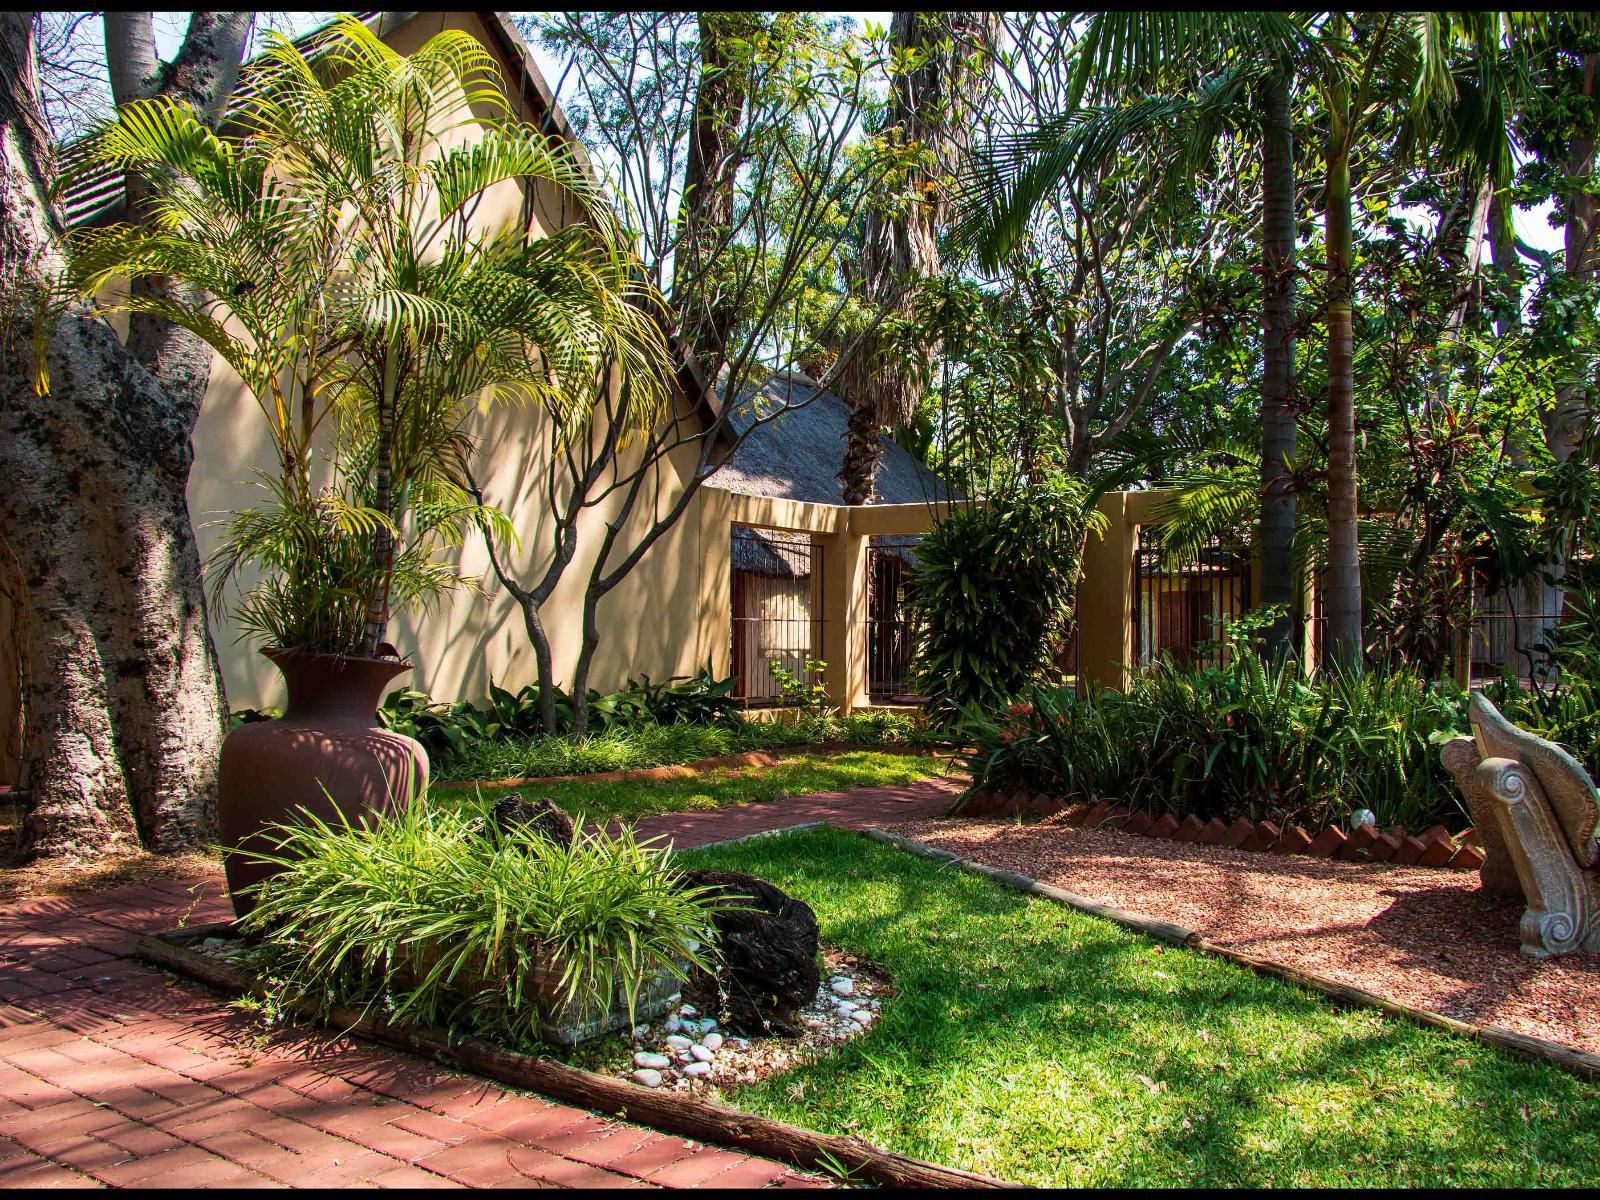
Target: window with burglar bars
x,y
1511,628
777,611
891,632
1181,608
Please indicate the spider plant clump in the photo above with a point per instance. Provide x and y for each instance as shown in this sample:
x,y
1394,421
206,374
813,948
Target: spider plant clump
x,y
443,919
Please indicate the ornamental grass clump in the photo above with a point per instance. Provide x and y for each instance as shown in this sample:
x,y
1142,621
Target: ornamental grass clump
x,y
444,919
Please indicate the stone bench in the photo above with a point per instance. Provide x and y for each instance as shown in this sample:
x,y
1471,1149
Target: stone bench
x,y
1538,814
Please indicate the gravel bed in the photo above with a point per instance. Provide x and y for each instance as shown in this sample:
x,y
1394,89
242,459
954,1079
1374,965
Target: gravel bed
x,y
1425,936
687,1051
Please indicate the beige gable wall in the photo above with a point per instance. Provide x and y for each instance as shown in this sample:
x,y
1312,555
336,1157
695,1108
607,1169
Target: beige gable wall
x,y
650,624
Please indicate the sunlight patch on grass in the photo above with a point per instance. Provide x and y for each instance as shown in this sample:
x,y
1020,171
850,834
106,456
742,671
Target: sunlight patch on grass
x,y
1049,1047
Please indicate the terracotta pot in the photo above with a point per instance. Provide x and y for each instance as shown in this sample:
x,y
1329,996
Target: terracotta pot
x,y
326,754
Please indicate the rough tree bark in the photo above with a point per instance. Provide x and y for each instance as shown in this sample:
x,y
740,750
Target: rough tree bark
x,y
123,698
706,210
1279,421
927,106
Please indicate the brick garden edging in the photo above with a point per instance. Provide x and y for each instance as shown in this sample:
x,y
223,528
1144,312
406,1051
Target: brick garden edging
x,y
1435,847
1578,1062
745,758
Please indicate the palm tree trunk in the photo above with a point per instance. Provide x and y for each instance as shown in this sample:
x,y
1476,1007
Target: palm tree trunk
x,y
1278,419
1344,555
929,105
383,501
706,210
1569,419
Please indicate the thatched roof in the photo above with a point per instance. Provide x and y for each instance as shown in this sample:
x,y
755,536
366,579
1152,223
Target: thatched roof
x,y
797,453
770,552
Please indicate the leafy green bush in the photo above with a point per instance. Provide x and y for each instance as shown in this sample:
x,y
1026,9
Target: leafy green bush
x,y
1249,740
459,728
426,912
994,588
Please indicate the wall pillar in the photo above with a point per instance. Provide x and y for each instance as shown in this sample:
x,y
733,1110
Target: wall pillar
x,y
714,625
1105,597
844,617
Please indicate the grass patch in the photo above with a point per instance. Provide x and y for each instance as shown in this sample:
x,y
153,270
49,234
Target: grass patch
x,y
646,745
630,799
1051,1048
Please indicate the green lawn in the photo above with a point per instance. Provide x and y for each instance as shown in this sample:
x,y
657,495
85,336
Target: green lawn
x,y
631,747
631,799
1048,1047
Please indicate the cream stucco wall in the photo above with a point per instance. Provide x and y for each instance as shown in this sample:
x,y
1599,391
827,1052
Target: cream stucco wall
x,y
650,624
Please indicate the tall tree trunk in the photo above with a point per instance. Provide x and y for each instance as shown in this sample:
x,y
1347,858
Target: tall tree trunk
x,y
1503,248
1569,420
1344,554
123,702
927,105
1278,417
706,210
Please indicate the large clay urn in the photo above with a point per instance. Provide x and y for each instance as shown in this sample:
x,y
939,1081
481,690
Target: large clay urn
x,y
326,754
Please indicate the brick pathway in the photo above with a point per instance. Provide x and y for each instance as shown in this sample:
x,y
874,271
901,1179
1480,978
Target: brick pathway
x,y
113,1073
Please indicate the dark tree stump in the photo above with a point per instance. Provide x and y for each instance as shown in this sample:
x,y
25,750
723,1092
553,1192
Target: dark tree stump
x,y
539,817
769,953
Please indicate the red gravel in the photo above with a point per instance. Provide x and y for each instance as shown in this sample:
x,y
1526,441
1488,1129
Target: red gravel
x,y
1425,936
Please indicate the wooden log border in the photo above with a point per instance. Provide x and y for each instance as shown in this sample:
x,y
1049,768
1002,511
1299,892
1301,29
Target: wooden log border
x,y
1578,1062
745,758
686,1116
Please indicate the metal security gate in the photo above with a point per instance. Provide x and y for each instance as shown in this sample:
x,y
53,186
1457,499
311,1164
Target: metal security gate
x,y
1181,609
777,591
891,633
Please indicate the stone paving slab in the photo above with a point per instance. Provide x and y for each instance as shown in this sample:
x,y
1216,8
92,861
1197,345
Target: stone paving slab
x,y
115,1074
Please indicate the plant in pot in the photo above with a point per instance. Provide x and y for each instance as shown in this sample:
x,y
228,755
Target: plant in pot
x,y
325,244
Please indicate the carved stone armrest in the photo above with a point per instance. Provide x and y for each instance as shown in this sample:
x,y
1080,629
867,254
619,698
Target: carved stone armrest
x,y
1563,912
1498,873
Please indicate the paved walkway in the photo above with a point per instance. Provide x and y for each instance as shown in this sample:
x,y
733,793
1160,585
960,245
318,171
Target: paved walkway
x,y
114,1073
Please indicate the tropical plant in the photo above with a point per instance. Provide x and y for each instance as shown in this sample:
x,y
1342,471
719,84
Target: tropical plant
x,y
1254,739
994,586
331,243
443,920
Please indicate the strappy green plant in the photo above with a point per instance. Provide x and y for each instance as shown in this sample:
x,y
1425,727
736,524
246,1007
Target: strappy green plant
x,y
444,921
335,244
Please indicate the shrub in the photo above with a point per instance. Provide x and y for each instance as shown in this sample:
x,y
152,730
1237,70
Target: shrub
x,y
994,588
1248,740
426,911
454,729
635,747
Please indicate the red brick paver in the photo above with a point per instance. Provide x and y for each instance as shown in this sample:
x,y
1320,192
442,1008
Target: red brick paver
x,y
113,1073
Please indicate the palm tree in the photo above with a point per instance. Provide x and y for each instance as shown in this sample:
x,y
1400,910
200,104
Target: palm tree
x,y
335,223
1229,94
1358,69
